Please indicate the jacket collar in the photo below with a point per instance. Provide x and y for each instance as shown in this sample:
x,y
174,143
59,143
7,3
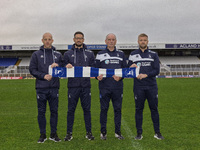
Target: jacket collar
x,y
109,50
52,48
146,50
73,47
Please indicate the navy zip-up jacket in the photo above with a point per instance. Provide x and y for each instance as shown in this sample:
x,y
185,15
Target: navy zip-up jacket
x,y
149,64
79,57
39,67
111,60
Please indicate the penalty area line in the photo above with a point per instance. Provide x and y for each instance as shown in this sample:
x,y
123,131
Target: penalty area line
x,y
130,135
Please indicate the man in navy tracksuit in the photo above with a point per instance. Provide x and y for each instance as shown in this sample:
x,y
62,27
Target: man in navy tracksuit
x,y
110,88
46,86
79,87
145,86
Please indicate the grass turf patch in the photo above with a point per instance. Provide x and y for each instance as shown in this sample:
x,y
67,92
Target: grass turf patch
x,y
179,101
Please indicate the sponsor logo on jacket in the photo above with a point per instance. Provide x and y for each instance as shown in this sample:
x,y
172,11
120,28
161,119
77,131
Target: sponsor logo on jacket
x,y
111,61
146,63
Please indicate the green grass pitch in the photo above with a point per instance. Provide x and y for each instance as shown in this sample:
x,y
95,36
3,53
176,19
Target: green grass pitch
x,y
179,108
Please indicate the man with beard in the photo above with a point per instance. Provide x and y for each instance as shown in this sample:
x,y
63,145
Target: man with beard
x,y
145,86
79,87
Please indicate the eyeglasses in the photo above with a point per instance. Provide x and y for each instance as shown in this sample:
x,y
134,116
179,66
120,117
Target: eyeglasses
x,y
78,38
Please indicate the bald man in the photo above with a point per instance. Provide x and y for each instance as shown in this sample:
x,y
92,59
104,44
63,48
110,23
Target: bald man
x,y
111,88
47,87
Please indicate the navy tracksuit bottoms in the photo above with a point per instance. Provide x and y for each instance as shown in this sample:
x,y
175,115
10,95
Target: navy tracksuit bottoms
x,y
73,96
151,94
116,96
50,95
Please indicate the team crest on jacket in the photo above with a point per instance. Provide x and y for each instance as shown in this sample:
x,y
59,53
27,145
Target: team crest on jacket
x,y
107,61
138,64
41,56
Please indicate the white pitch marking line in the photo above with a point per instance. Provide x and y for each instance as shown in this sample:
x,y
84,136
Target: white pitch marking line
x,y
130,134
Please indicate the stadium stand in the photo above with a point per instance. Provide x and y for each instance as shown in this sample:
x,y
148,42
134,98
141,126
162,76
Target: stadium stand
x,y
5,62
180,65
24,61
23,67
18,62
14,66
182,59
179,60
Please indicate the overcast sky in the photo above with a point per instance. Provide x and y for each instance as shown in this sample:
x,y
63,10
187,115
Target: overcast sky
x,y
165,21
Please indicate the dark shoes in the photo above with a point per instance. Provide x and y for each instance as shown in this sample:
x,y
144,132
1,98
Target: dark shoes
x,y
103,135
139,136
119,136
42,138
89,136
54,137
68,137
158,136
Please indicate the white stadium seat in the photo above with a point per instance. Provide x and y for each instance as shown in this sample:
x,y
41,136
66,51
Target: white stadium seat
x,y
24,61
179,60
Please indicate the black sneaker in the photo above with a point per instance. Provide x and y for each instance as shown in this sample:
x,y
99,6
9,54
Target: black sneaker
x,y
42,138
103,135
158,136
54,137
119,136
139,136
68,137
89,136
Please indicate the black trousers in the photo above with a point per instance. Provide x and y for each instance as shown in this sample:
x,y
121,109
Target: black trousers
x,y
116,96
73,96
50,95
151,94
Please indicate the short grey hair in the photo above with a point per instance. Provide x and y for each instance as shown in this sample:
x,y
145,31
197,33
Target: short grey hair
x,y
111,34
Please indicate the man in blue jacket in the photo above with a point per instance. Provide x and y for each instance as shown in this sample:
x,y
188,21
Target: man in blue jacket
x,y
46,86
79,87
111,88
145,86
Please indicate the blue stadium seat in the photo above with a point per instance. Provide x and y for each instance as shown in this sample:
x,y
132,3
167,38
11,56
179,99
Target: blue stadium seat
x,y
5,62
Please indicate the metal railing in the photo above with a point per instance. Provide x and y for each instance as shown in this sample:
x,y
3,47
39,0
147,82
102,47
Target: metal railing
x,y
15,71
182,70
